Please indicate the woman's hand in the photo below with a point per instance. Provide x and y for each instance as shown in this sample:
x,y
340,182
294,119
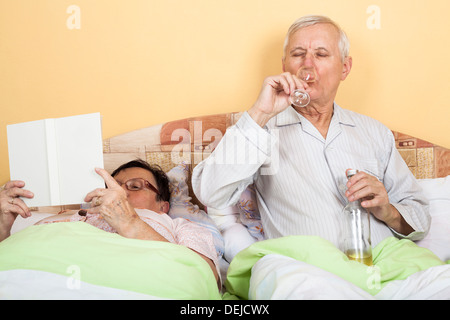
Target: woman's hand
x,y
112,204
11,206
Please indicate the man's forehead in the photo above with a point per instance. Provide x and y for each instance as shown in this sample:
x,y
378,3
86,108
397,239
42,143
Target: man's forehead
x,y
316,37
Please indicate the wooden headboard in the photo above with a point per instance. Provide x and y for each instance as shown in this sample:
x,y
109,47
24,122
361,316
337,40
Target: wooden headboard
x,y
192,140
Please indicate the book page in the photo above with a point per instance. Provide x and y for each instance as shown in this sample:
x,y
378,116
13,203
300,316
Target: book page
x,y
80,151
27,147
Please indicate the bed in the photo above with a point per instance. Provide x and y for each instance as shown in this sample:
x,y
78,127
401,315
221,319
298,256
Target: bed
x,y
49,264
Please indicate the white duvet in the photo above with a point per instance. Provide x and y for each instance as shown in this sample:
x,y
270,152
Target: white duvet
x,y
281,278
37,285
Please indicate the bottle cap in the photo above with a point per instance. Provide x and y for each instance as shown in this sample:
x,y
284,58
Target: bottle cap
x,y
350,173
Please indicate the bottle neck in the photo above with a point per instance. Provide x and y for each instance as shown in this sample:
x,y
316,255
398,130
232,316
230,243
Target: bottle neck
x,y
355,203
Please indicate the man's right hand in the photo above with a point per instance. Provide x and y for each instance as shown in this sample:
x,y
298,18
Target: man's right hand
x,y
274,97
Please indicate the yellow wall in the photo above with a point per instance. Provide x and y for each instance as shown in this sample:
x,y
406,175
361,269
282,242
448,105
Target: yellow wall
x,y
143,62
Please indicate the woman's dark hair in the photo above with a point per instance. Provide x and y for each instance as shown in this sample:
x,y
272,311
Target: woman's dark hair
x,y
162,181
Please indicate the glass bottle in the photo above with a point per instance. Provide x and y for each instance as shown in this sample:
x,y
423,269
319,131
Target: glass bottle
x,y
357,244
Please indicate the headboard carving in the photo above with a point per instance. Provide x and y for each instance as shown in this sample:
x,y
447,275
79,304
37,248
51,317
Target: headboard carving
x,y
425,159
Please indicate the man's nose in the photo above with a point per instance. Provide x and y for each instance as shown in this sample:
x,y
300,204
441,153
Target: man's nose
x,y
309,60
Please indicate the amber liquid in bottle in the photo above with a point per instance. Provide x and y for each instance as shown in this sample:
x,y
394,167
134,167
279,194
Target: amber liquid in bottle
x,y
363,257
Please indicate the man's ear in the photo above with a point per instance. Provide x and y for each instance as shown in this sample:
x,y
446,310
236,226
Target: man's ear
x,y
347,67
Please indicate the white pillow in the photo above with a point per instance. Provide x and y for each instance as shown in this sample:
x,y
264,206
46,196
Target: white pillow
x,y
182,207
240,224
438,238
249,213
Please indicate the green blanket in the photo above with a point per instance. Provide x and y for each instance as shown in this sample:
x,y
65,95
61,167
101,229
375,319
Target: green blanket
x,y
154,268
394,260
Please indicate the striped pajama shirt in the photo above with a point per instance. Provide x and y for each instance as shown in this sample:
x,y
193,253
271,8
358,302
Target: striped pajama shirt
x,y
300,175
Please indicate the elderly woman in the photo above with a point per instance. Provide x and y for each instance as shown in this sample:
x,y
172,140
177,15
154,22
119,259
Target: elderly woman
x,y
134,204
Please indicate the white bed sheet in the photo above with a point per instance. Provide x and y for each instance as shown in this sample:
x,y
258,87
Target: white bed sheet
x,y
33,284
277,277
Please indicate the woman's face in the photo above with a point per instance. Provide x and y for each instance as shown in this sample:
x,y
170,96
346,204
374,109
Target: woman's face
x,y
144,198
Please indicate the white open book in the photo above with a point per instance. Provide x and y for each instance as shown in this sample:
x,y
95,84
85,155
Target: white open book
x,y
56,158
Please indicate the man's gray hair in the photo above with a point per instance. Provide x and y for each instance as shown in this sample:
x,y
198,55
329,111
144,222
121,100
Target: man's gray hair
x,y
306,21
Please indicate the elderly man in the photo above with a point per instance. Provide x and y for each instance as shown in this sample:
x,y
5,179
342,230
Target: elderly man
x,y
300,183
